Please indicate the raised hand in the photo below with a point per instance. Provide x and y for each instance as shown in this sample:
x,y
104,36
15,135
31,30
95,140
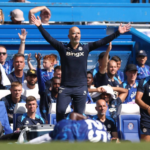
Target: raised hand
x,y
29,57
109,46
125,28
35,20
23,34
38,56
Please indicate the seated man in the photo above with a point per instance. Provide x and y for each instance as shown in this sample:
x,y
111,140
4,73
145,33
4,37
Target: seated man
x,y
100,60
107,71
143,70
47,96
29,118
18,74
72,130
131,84
12,99
119,74
112,101
31,83
110,124
16,16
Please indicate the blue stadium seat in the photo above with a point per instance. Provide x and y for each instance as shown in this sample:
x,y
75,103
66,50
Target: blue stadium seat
x,y
129,122
4,118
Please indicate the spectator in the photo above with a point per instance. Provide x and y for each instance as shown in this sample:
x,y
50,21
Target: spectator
x,y
45,14
48,64
143,70
18,74
143,100
57,73
120,74
47,96
31,84
107,71
100,59
16,16
12,99
131,84
112,101
93,92
20,1
101,108
29,118
1,17
8,65
4,81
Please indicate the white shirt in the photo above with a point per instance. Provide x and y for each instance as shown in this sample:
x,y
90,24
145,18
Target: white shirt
x,y
30,92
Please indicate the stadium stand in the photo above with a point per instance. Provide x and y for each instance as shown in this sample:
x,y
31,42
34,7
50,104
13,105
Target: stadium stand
x,y
125,46
75,12
129,122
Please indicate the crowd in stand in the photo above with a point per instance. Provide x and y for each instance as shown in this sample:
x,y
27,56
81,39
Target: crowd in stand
x,y
108,87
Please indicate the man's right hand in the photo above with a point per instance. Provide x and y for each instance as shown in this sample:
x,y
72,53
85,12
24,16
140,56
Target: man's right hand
x,y
35,20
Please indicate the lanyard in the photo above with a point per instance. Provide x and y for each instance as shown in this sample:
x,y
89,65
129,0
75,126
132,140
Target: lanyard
x,y
17,78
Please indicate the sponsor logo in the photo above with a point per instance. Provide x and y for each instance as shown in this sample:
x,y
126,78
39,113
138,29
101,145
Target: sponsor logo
x,y
75,54
38,124
133,94
60,91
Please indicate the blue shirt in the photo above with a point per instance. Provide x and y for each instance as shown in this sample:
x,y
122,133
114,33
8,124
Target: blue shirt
x,y
89,99
82,130
131,91
120,75
10,105
74,62
25,120
46,75
103,79
8,66
113,107
143,72
109,123
144,87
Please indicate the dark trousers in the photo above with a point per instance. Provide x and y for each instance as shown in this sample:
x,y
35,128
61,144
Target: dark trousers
x,y
66,95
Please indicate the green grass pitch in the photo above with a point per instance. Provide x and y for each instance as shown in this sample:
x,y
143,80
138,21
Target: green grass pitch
x,y
76,146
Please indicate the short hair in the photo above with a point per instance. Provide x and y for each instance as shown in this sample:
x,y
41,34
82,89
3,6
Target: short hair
x,y
3,47
57,67
15,83
30,98
89,72
53,55
55,78
116,58
49,57
18,55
